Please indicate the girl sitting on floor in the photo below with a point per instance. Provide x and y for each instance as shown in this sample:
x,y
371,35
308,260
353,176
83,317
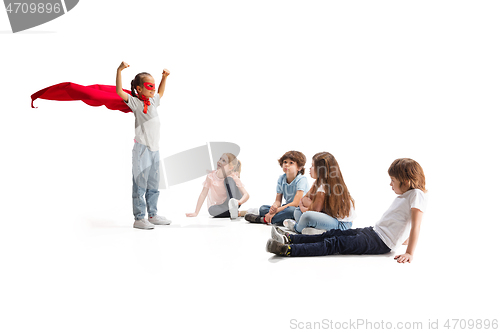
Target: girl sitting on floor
x,y
328,204
408,182
224,189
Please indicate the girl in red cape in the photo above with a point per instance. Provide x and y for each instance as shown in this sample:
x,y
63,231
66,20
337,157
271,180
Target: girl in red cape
x,y
143,100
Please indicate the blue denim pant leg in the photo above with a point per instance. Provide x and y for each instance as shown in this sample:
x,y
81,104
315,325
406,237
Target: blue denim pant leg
x,y
152,192
335,241
286,213
263,210
145,180
297,213
312,219
278,219
138,203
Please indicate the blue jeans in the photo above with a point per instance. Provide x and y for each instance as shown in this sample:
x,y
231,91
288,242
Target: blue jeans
x,y
278,219
318,220
351,241
145,180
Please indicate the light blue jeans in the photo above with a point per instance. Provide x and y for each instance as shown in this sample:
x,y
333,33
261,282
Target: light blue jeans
x,y
145,180
318,220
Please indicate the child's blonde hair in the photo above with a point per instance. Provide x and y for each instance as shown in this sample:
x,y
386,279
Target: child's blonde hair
x,y
408,171
232,160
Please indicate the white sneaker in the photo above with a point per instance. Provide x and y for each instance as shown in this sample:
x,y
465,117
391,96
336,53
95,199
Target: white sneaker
x,y
233,208
280,236
254,211
143,224
290,224
159,220
312,231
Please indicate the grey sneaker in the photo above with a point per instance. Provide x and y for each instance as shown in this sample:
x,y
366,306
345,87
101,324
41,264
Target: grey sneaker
x,y
290,224
279,235
143,224
159,220
233,208
254,218
275,247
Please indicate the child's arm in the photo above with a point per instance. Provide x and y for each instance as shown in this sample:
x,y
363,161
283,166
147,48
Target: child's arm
x,y
305,202
245,196
201,199
319,202
161,87
296,199
276,204
416,220
119,89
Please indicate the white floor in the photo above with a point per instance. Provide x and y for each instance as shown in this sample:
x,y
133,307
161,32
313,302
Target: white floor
x,y
98,274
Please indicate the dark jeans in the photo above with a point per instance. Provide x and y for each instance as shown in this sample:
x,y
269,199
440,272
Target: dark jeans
x,y
278,219
232,191
335,241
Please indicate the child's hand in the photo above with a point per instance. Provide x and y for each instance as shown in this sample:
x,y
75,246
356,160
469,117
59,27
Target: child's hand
x,y
123,65
306,201
402,258
273,208
191,214
268,218
304,204
165,73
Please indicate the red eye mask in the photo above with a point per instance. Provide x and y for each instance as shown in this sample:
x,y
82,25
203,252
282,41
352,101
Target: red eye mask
x,y
149,86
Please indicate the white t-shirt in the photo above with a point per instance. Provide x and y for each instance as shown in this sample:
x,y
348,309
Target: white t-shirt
x,y
147,125
352,212
395,223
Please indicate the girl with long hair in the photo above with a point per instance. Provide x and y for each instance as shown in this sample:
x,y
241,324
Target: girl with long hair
x,y
328,204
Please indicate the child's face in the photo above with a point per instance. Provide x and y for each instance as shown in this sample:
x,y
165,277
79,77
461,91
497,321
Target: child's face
x,y
223,162
398,187
290,167
148,87
312,171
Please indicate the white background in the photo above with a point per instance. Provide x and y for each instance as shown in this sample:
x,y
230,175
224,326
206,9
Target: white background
x,y
368,81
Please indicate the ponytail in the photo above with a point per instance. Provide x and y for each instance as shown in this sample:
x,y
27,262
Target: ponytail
x,y
237,168
235,162
132,88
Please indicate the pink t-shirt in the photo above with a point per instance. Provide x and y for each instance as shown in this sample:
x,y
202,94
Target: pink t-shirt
x,y
217,189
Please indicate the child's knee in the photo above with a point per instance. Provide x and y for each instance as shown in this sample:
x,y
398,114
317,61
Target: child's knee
x,y
263,210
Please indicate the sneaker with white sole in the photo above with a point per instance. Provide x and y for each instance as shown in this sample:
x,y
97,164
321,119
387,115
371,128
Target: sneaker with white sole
x,y
143,224
290,224
277,248
279,235
254,218
233,208
312,231
159,220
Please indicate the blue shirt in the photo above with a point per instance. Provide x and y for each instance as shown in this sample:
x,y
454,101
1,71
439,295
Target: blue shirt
x,y
289,190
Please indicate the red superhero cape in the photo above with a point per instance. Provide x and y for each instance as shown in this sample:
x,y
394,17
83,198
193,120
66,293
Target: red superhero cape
x,y
93,95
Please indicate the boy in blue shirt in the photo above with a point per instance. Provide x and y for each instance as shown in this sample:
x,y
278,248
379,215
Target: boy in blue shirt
x,y
291,186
